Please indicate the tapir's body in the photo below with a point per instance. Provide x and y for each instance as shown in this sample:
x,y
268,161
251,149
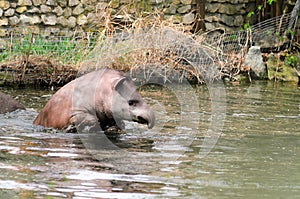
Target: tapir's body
x,y
105,96
8,104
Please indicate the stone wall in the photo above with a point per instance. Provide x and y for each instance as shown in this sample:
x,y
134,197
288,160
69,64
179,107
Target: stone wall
x,y
90,15
229,15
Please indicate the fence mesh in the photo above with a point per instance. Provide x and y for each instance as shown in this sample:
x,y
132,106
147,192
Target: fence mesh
x,y
228,49
69,48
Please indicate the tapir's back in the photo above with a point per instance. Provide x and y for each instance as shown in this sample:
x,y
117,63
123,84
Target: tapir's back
x,y
56,112
77,95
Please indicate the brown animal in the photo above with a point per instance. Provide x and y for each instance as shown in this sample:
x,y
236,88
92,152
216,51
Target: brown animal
x,y
9,104
106,96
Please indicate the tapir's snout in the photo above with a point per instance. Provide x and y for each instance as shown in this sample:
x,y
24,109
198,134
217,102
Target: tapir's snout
x,y
145,117
151,121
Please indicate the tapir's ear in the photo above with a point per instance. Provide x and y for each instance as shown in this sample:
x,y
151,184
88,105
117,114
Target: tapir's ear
x,y
120,86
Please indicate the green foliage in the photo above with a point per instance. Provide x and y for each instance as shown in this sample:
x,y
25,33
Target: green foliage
x,y
4,55
246,26
64,49
291,32
271,1
252,13
291,60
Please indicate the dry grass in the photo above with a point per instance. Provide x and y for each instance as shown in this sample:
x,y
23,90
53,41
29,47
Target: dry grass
x,y
153,47
37,71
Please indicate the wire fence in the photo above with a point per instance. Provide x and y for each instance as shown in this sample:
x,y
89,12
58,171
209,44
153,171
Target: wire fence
x,y
271,33
229,49
67,48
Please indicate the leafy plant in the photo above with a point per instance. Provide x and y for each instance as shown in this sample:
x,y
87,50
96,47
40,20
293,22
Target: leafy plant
x,y
252,13
271,1
291,60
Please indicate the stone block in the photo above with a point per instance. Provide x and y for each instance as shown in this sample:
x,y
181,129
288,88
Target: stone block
x,y
34,10
3,32
101,6
13,21
49,20
171,9
13,5
238,21
73,3
210,26
176,2
226,19
153,2
36,2
78,9
81,20
93,2
67,12
186,2
91,18
51,3
9,12
21,9
212,18
4,5
89,8
24,19
184,9
45,9
58,11
4,22
212,7
62,3
35,20
229,9
62,21
24,3
72,22
188,18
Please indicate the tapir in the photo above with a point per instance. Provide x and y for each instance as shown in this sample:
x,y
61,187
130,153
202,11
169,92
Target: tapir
x,y
9,104
105,96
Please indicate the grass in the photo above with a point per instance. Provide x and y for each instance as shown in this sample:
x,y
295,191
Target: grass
x,y
66,50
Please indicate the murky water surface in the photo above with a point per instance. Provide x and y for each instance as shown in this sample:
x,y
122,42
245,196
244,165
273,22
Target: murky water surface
x,y
256,156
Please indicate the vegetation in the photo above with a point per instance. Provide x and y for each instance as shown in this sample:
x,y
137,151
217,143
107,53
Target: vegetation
x,y
68,50
43,60
49,60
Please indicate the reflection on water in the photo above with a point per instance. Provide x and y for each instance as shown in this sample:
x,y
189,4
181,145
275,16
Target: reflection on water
x,y
257,155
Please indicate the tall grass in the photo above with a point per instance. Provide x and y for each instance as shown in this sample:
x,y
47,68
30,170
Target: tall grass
x,y
62,49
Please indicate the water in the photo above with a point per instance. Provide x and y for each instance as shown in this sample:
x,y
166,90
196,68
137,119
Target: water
x,y
256,156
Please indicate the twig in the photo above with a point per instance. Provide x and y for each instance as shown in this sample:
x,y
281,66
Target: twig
x,y
27,59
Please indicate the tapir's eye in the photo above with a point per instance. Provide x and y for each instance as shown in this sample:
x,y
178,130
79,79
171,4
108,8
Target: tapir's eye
x,y
132,102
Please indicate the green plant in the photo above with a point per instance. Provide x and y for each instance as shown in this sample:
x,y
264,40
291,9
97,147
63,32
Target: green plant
x,y
291,60
251,13
68,50
271,1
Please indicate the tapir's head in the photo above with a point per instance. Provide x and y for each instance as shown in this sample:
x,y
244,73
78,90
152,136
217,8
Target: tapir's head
x,y
127,104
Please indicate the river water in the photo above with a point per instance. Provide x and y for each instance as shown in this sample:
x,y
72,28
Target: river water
x,y
256,153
